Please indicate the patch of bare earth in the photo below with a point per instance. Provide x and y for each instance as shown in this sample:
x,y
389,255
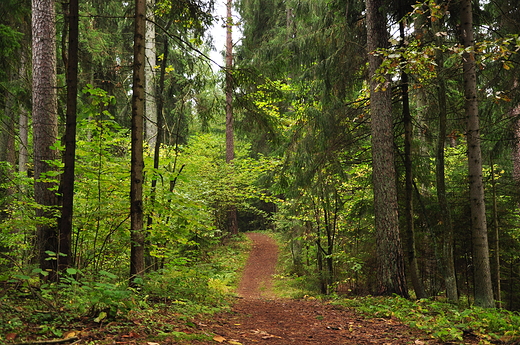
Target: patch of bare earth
x,y
261,318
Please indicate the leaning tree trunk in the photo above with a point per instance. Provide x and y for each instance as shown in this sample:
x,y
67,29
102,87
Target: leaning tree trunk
x,y
45,128
481,266
137,236
390,261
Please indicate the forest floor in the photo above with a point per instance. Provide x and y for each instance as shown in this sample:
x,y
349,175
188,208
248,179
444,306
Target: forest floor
x,y
259,317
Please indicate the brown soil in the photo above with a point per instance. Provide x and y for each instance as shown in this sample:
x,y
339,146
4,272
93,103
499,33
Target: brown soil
x,y
260,318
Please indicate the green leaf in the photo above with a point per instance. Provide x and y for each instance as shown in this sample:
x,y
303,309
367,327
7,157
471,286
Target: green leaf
x,y
100,317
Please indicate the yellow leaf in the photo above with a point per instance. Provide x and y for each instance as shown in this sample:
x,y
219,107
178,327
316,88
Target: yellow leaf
x,y
219,338
232,342
70,334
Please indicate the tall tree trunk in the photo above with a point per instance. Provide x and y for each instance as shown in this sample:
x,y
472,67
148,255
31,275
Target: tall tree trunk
x,y
150,91
482,272
413,267
230,144
390,262
137,236
45,127
69,158
448,263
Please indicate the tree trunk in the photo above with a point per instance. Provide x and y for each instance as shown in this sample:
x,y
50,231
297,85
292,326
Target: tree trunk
x,y
137,164
390,262
67,183
150,91
45,128
448,263
495,263
413,267
481,266
230,144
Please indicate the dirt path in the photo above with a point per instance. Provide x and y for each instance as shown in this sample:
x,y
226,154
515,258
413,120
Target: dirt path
x,y
260,318
257,279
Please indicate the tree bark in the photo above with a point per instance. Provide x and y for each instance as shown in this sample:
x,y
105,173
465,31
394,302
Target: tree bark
x,y
390,262
137,237
481,266
150,84
45,128
69,158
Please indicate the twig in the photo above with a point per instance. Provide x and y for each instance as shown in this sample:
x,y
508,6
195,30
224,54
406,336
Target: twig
x,y
51,341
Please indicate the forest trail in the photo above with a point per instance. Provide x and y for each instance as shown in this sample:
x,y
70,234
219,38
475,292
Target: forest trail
x,y
259,317
257,278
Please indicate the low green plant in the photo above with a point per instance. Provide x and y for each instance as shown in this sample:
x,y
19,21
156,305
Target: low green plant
x,y
442,320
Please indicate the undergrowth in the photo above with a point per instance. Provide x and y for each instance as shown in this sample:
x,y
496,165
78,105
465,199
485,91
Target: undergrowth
x,y
442,320
161,305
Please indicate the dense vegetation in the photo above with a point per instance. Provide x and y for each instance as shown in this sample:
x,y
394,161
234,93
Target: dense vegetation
x,y
309,100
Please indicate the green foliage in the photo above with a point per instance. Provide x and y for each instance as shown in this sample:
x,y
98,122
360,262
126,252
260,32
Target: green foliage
x,y
185,287
442,320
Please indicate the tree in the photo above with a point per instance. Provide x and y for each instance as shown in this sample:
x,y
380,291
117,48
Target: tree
x,y
390,262
230,146
69,157
45,130
137,237
481,265
150,84
448,265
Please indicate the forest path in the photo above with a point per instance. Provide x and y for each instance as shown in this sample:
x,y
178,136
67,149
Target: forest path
x,y
259,317
257,278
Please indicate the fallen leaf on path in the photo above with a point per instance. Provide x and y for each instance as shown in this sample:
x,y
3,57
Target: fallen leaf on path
x,y
10,336
419,342
232,342
219,338
264,334
150,343
71,334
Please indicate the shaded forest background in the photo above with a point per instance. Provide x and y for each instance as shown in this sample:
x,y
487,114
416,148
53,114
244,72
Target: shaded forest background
x,y
303,150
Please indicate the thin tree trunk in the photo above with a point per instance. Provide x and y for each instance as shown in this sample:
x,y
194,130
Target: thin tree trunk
x,y
448,263
482,273
230,144
159,139
67,183
413,267
495,263
390,261
137,236
151,127
45,128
